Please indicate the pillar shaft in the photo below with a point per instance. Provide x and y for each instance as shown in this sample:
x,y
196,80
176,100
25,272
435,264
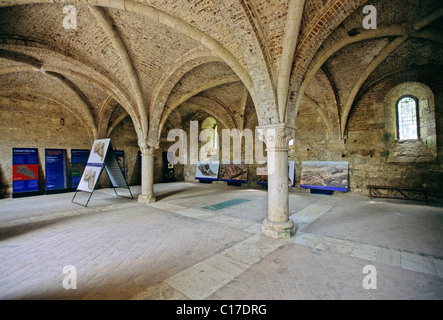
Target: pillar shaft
x,y
147,179
278,193
278,224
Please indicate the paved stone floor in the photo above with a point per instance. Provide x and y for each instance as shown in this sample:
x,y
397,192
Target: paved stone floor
x,y
201,241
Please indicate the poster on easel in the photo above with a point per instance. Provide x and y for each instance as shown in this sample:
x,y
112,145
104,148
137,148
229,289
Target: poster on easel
x,y
102,156
55,170
79,159
24,171
94,165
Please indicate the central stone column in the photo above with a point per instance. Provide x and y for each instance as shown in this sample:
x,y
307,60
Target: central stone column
x,y
278,224
147,183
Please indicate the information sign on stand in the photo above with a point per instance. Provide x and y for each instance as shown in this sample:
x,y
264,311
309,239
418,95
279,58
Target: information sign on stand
x,y
79,159
55,170
24,172
102,156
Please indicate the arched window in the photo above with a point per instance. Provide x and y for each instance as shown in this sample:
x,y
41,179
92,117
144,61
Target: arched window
x,y
407,118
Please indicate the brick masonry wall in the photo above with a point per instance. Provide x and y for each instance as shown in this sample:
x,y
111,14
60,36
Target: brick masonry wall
x,y
377,157
33,123
30,123
374,156
123,137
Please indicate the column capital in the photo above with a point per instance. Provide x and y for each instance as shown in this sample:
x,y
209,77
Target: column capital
x,y
148,147
276,136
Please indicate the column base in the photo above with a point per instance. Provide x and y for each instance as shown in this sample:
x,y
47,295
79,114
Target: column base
x,y
144,199
278,230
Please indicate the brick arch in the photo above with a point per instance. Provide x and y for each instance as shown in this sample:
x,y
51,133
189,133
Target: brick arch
x,y
211,113
190,94
258,82
386,82
301,79
57,101
219,108
80,70
323,24
105,113
166,84
380,88
82,106
113,125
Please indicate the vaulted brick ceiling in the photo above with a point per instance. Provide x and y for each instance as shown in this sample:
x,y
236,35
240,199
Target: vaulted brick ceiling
x,y
145,59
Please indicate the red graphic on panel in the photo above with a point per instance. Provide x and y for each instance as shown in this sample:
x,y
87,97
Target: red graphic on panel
x,y
25,172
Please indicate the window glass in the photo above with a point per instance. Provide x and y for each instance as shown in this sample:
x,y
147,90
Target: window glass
x,y
407,119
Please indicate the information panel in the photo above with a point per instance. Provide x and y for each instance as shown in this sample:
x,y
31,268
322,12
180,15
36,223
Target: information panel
x,y
230,172
24,170
207,171
79,159
325,175
103,156
94,165
55,169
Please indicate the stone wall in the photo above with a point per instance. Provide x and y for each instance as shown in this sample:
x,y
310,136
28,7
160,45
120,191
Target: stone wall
x,y
371,147
28,122
374,154
33,123
123,137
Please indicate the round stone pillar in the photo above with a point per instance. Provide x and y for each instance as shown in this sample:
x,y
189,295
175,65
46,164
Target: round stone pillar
x,y
278,224
147,179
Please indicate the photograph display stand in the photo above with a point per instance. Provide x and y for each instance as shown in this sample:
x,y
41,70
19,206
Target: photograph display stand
x,y
102,156
234,174
207,171
56,171
25,179
323,176
79,159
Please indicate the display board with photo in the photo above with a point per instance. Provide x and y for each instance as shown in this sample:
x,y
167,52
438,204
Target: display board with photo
x,y
94,165
98,151
207,170
234,172
325,175
262,174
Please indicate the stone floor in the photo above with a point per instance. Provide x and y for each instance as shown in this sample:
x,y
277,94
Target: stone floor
x,y
201,241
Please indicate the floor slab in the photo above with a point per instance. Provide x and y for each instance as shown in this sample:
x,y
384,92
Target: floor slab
x,y
175,249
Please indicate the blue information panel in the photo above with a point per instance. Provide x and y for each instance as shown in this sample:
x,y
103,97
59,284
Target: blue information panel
x,y
79,158
55,168
24,170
